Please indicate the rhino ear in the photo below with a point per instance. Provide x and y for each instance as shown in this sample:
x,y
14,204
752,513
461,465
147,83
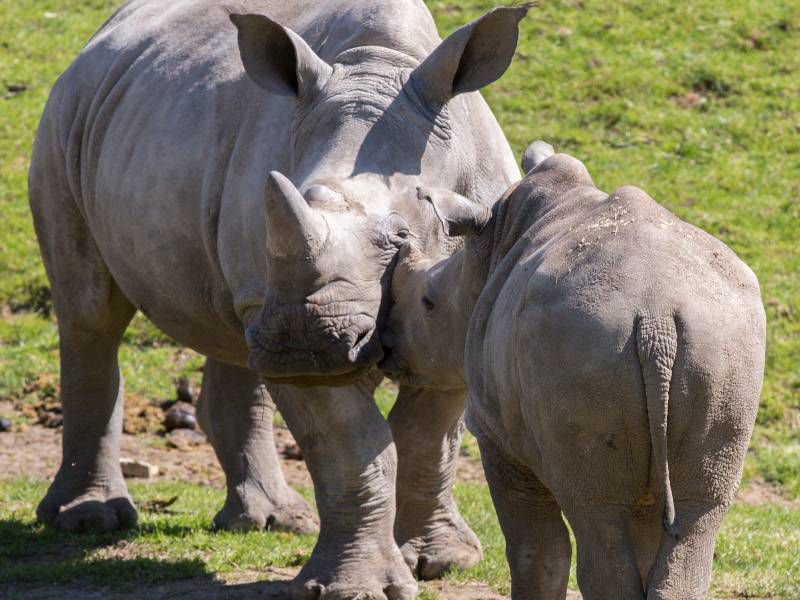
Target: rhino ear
x,y
278,59
458,215
536,153
471,57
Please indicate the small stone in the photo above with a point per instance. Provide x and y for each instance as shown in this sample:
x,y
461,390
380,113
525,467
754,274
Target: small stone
x,y
5,425
292,452
184,391
137,468
180,416
183,439
52,420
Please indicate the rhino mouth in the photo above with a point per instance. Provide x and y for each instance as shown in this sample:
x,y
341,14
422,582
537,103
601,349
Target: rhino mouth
x,y
393,365
324,353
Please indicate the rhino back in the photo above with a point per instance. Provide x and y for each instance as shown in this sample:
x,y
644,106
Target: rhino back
x,y
556,357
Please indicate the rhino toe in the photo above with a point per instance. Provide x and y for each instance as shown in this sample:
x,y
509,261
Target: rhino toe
x,y
97,516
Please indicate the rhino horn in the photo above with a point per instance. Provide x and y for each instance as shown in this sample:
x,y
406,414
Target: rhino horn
x,y
294,229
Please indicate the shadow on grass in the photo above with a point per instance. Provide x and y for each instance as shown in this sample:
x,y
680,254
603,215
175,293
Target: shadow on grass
x,y
39,562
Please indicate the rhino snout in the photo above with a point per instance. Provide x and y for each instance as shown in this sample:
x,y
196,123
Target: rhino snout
x,y
318,348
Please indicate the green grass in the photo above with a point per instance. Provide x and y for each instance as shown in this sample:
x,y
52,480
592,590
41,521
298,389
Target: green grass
x,y
697,103
756,552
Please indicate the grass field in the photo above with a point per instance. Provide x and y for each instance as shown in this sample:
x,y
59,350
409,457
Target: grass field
x,y
698,103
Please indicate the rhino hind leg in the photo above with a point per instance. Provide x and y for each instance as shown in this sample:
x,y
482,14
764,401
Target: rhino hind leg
x,y
236,412
427,427
683,566
537,542
88,492
607,560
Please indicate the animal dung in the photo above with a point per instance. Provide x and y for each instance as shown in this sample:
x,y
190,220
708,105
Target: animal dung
x,y
184,439
184,391
180,416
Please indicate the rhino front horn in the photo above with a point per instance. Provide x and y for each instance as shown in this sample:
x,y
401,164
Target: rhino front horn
x,y
294,229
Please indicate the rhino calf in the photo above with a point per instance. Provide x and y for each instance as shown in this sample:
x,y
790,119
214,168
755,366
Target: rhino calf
x,y
613,356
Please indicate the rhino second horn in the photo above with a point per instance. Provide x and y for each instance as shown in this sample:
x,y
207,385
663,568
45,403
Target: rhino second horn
x,y
294,229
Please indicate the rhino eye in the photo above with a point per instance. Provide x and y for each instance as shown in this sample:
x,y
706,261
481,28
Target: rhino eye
x,y
396,229
427,303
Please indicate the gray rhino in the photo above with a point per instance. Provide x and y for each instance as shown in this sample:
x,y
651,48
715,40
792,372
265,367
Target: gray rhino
x,y
247,188
614,357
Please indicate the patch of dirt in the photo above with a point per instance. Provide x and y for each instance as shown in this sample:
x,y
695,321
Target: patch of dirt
x,y
35,452
469,469
272,583
758,492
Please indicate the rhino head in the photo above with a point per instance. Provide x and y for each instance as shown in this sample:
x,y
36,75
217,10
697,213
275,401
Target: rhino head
x,y
369,127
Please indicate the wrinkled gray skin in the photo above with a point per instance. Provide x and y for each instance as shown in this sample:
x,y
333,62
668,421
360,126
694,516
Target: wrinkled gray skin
x,y
614,357
250,199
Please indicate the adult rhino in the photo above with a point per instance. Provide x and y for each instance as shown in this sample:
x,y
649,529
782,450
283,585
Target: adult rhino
x,y
250,199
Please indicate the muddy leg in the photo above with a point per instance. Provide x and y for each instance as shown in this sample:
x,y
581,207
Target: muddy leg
x,y
349,451
427,426
537,542
235,410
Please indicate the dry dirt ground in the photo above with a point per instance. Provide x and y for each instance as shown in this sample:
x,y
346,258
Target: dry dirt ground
x,y
34,451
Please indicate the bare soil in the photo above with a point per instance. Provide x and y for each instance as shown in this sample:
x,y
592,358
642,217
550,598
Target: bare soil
x,y
34,451
270,584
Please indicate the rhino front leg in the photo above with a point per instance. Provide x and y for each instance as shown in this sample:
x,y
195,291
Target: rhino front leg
x,y
350,454
236,412
88,492
427,426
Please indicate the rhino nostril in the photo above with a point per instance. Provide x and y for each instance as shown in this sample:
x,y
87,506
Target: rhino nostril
x,y
361,341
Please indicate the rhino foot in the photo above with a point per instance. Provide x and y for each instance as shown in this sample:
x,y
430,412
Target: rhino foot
x,y
96,510
449,544
382,578
258,512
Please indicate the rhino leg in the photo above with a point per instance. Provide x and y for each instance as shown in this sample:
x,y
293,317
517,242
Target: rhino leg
x,y
351,456
607,562
427,426
88,492
683,566
236,411
537,541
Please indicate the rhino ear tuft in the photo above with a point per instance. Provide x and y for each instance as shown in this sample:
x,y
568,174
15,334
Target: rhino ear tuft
x,y
458,215
471,57
278,59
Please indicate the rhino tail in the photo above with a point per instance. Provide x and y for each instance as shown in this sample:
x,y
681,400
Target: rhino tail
x,y
657,344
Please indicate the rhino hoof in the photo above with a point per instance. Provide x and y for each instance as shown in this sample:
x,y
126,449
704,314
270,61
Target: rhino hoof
x,y
296,517
455,547
90,515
